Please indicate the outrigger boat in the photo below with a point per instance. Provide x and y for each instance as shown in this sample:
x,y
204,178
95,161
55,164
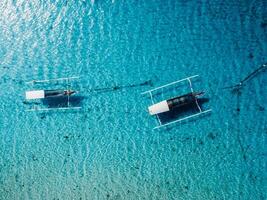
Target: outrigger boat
x,y
173,103
176,102
44,94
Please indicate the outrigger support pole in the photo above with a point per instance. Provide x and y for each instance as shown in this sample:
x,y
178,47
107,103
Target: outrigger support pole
x,y
190,83
179,120
51,109
49,80
169,84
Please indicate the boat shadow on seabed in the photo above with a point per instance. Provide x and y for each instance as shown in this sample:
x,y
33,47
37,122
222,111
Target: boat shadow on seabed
x,y
55,102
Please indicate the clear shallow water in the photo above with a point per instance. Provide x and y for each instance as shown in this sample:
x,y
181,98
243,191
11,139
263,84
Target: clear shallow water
x,y
108,150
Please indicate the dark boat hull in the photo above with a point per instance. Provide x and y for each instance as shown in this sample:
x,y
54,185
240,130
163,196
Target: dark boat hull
x,y
176,102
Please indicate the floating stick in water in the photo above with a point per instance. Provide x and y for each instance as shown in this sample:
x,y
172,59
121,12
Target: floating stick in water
x,y
248,77
116,87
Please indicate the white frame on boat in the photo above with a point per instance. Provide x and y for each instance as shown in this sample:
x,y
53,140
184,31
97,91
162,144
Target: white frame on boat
x,y
178,120
59,108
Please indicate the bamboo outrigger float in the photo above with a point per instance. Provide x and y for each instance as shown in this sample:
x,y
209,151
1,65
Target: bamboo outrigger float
x,y
44,94
176,102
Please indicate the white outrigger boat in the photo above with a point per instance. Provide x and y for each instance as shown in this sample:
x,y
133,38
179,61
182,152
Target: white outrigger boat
x,y
174,103
44,94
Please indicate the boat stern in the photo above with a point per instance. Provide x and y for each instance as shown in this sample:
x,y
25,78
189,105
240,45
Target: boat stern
x,y
158,108
35,94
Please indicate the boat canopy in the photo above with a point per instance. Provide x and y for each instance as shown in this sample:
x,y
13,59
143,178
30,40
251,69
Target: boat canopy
x,y
35,94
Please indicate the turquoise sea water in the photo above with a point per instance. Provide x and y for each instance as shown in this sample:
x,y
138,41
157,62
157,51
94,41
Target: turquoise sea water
x,y
108,150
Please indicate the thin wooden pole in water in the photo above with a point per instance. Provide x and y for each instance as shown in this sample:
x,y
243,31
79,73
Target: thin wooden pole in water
x,y
248,77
